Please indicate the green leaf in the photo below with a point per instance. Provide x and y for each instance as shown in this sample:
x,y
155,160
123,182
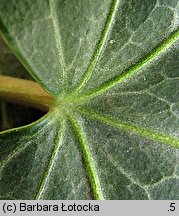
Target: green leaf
x,y
13,115
113,132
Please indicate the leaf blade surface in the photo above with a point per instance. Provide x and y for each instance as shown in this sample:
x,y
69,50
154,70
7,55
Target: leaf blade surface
x,y
113,133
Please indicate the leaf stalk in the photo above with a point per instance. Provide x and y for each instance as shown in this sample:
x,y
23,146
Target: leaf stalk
x,y
25,92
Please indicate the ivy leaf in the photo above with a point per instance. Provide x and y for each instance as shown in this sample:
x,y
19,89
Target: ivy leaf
x,y
9,112
113,69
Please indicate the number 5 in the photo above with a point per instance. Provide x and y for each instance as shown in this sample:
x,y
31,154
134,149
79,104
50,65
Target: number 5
x,y
172,206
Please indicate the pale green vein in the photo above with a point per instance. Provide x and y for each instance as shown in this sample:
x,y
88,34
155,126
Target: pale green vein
x,y
154,55
118,167
35,125
101,44
153,135
57,35
17,150
89,162
46,176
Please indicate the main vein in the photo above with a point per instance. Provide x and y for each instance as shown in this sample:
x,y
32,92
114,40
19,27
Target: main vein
x,y
46,176
153,135
158,51
53,9
89,162
102,41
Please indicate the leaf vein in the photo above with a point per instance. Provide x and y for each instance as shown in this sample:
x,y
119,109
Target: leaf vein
x,y
58,40
89,162
153,135
154,55
17,150
121,169
100,46
46,175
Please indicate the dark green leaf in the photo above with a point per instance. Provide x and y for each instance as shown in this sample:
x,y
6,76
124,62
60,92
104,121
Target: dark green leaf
x,y
114,70
13,115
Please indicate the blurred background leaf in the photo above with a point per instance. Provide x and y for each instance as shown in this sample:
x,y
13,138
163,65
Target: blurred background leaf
x,y
13,115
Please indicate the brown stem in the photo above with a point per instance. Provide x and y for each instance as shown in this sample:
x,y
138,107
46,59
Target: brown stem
x,y
24,92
